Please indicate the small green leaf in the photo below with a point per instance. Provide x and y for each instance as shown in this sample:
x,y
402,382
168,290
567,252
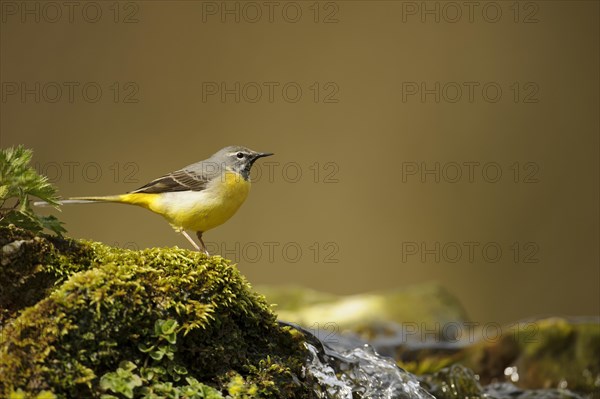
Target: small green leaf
x,y
147,373
127,365
157,328
145,348
157,354
169,327
171,338
180,370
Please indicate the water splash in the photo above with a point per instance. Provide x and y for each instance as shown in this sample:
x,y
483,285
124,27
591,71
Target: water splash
x,y
343,367
360,373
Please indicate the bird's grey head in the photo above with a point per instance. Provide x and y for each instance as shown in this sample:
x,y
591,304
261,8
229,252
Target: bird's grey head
x,y
239,159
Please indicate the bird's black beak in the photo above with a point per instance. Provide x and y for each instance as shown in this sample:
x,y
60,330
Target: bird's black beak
x,y
259,155
263,154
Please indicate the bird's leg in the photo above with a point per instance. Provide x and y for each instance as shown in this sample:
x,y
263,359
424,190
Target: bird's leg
x,y
186,235
199,235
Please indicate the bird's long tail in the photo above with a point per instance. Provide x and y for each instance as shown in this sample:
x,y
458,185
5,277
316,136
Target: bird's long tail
x,y
84,200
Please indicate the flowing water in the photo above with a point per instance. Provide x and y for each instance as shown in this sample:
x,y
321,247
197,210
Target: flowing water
x,y
343,368
361,373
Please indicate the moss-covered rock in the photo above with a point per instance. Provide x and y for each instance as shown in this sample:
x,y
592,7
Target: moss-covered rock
x,y
31,265
156,323
545,353
459,382
369,315
537,354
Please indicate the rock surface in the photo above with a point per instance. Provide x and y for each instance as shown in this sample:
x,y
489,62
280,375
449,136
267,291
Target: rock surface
x,y
95,320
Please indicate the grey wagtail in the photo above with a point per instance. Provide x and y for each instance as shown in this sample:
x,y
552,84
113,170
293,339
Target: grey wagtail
x,y
199,197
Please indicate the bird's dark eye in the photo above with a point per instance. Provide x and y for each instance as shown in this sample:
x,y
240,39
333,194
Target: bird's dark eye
x,y
240,155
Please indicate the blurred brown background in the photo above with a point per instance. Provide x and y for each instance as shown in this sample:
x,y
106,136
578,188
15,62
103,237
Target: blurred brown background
x,y
415,141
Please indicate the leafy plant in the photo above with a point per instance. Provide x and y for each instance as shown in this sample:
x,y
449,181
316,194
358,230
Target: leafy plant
x,y
122,381
163,346
158,371
19,181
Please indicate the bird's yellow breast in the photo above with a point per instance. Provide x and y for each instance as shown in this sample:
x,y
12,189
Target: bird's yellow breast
x,y
198,210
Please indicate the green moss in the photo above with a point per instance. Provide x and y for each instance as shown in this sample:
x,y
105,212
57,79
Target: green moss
x,y
98,318
560,351
454,382
545,353
31,266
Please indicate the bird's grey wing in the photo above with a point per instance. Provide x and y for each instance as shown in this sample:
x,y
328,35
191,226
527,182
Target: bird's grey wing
x,y
181,180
